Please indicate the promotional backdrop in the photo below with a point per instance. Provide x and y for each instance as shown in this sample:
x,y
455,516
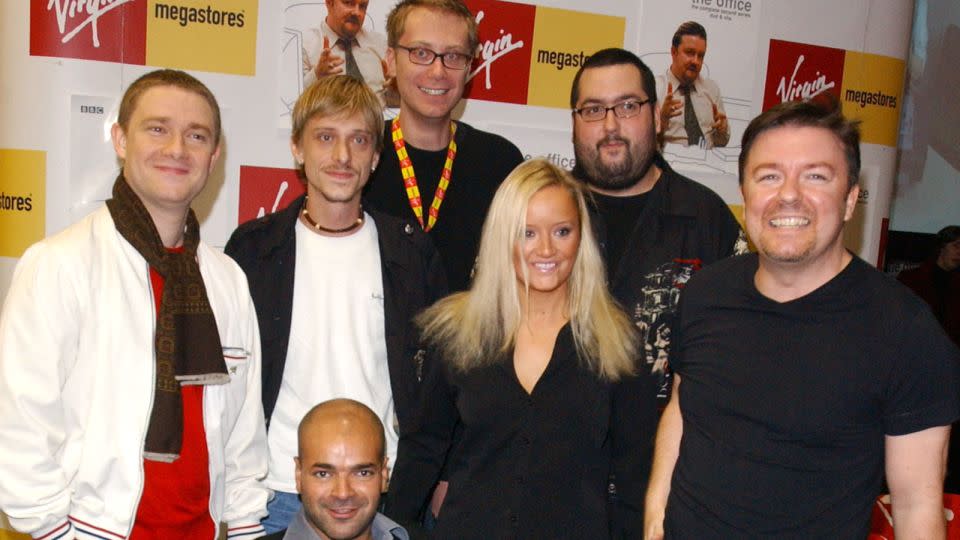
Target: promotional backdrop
x,y
65,63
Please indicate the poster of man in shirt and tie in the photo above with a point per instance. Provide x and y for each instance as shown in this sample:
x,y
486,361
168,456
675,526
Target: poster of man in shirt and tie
x,y
333,37
704,57
691,108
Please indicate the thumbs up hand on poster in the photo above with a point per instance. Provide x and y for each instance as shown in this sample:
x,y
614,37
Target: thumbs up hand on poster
x,y
391,97
327,64
670,108
720,124
720,134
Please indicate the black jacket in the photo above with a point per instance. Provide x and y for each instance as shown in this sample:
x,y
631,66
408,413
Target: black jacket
x,y
683,227
413,279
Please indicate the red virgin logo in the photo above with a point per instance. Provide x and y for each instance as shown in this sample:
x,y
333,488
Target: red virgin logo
x,y
264,190
801,71
106,30
501,70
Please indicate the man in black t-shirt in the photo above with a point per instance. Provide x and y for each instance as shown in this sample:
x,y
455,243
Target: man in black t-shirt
x,y
451,170
656,227
802,374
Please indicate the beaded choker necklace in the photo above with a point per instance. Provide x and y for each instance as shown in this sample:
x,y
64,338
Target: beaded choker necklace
x,y
319,227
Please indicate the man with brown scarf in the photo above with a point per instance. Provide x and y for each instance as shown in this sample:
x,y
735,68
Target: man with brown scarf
x,y
129,352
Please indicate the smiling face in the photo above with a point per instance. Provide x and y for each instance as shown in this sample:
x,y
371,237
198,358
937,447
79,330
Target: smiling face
x,y
338,153
345,17
430,92
613,154
796,196
340,475
551,240
168,148
688,58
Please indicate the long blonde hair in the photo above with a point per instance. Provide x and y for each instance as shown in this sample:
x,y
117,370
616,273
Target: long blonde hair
x,y
474,328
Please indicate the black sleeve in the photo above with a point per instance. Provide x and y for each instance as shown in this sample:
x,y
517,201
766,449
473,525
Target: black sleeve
x,y
423,446
922,392
633,425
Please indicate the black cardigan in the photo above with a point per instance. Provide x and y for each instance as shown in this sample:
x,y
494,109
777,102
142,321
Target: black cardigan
x,y
529,465
412,279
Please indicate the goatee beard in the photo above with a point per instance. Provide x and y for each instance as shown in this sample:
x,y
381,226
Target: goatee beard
x,y
616,178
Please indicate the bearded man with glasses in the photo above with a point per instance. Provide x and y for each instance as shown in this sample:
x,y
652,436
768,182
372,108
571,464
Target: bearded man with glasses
x,y
655,226
441,172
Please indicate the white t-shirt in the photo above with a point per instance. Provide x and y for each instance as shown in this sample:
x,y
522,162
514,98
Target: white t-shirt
x,y
337,345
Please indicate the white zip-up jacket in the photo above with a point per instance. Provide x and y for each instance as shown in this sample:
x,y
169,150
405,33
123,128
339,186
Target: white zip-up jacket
x,y
77,382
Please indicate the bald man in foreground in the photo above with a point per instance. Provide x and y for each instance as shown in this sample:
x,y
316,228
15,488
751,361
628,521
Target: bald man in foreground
x,y
341,471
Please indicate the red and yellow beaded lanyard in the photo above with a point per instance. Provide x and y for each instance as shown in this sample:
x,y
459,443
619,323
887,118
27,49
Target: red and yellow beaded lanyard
x,y
410,179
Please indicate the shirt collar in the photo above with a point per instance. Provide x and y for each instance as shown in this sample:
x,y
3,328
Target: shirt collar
x,y
359,39
671,78
383,528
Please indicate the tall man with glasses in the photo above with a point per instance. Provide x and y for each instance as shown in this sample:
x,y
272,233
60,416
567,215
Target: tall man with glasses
x,y
656,227
441,172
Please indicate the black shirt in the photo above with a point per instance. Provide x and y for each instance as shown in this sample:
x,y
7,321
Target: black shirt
x,y
529,465
621,215
786,405
483,160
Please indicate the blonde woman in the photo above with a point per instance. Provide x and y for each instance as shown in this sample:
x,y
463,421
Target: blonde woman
x,y
537,363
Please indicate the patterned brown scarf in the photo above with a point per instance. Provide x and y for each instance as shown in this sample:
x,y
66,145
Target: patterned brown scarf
x,y
188,349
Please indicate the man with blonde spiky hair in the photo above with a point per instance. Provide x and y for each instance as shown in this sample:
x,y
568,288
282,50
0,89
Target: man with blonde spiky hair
x,y
336,285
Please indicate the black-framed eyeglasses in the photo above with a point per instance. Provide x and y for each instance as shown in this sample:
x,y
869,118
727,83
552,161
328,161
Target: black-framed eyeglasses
x,y
624,109
424,57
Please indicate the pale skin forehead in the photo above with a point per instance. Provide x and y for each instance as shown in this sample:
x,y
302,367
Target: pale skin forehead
x,y
340,419
162,103
777,148
689,40
354,122
613,84
448,29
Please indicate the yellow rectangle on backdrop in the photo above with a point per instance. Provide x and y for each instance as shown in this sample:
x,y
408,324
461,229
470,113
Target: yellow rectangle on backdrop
x,y
11,535
872,92
562,41
203,35
23,180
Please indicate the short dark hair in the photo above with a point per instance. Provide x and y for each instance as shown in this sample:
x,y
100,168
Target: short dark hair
x,y
689,28
397,19
946,235
615,57
825,114
167,77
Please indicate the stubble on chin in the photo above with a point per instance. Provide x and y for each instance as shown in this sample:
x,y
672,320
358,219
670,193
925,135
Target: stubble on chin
x,y
775,250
